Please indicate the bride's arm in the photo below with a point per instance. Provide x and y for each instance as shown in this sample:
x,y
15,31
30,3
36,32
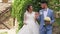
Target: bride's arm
x,y
25,19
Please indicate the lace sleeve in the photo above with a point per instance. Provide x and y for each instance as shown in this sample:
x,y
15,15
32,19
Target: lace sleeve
x,y
25,18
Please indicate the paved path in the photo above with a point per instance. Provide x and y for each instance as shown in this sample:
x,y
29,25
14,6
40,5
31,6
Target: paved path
x,y
3,6
11,31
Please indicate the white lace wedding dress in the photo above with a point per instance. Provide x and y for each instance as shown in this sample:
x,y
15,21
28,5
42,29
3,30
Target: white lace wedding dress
x,y
32,26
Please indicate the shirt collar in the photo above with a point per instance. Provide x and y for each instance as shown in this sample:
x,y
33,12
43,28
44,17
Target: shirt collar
x,y
45,9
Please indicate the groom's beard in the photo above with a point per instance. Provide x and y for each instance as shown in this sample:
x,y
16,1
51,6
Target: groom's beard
x,y
43,8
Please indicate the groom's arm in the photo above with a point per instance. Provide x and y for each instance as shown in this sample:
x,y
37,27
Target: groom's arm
x,y
39,17
52,18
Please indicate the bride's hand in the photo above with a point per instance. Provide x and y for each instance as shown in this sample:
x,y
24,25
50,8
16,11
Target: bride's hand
x,y
25,23
36,15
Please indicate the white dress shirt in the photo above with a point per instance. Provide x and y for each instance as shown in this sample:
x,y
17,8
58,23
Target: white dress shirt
x,y
45,12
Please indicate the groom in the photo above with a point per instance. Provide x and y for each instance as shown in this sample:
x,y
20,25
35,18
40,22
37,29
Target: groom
x,y
42,14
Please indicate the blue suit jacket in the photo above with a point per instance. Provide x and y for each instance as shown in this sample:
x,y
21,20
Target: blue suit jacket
x,y
41,19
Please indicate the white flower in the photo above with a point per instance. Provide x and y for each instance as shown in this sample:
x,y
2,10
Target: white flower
x,y
47,19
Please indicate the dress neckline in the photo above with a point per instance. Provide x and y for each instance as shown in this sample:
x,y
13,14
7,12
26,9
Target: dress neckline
x,y
29,13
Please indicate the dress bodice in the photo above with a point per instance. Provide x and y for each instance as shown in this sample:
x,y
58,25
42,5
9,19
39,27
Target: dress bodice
x,y
30,17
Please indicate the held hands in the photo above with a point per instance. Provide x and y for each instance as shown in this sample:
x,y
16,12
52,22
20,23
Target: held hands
x,y
25,23
36,15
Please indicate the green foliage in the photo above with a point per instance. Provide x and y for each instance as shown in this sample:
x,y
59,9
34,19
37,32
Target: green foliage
x,y
3,32
54,4
58,21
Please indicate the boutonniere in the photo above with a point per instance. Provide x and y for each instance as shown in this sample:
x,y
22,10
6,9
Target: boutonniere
x,y
41,13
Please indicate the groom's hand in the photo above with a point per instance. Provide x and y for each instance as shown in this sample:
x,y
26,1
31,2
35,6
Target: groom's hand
x,y
36,15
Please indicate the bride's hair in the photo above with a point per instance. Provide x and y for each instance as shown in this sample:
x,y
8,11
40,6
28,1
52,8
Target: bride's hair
x,y
28,7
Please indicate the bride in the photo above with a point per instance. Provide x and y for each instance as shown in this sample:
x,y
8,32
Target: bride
x,y
30,24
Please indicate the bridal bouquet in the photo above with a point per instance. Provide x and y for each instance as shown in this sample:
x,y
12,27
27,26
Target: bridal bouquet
x,y
47,20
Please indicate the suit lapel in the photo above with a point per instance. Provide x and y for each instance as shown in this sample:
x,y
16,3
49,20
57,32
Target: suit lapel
x,y
42,15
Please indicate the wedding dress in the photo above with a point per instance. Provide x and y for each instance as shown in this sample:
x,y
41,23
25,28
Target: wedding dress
x,y
32,26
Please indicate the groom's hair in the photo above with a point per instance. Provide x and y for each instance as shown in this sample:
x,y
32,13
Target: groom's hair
x,y
42,2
